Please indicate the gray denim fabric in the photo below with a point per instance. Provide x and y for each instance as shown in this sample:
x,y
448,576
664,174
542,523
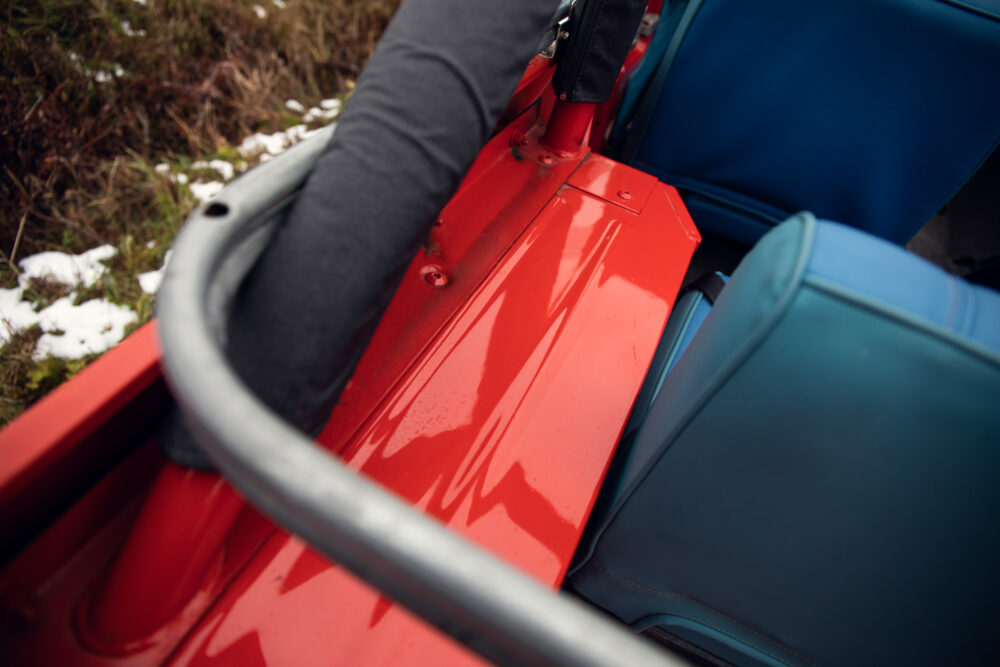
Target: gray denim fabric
x,y
422,110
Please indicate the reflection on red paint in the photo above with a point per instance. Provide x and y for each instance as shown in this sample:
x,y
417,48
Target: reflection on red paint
x,y
448,422
502,428
306,566
494,403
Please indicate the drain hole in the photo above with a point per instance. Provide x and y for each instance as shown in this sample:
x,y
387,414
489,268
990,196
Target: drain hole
x,y
217,210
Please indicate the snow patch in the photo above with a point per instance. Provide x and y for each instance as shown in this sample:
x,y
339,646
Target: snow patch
x,y
259,11
263,143
103,76
97,325
280,4
84,269
327,110
221,167
70,331
206,191
130,31
273,144
15,315
150,282
100,76
90,328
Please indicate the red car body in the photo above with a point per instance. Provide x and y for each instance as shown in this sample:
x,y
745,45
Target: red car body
x,y
491,397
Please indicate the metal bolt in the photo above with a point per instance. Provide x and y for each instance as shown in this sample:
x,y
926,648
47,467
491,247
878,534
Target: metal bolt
x,y
434,275
624,194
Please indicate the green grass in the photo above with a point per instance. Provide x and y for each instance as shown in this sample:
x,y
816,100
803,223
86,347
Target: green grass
x,y
88,108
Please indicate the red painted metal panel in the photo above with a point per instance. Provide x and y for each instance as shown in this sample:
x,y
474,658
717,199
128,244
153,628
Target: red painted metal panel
x,y
65,443
492,396
614,183
47,592
510,182
534,85
567,131
178,534
35,441
503,428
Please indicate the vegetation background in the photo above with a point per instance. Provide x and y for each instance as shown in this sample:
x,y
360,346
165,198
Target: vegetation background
x,y
95,93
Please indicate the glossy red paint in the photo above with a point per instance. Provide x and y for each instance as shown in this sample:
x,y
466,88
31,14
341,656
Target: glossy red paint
x,y
507,186
614,183
502,427
48,591
65,443
178,534
32,569
53,444
535,86
43,434
567,131
492,401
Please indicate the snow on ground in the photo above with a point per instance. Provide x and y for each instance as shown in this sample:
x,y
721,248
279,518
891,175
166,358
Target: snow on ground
x,y
70,331
150,282
15,315
73,331
100,76
84,269
273,144
201,190
206,191
130,31
221,167
327,110
269,145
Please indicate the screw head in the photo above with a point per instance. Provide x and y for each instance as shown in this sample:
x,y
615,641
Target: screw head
x,y
434,275
625,195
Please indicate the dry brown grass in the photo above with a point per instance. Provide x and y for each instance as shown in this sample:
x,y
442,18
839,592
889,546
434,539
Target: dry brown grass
x,y
205,73
88,106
